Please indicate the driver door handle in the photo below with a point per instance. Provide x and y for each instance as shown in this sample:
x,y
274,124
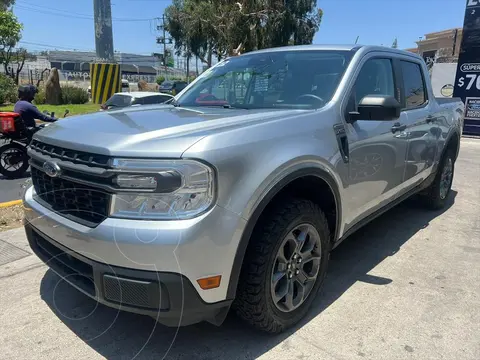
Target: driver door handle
x,y
398,127
431,119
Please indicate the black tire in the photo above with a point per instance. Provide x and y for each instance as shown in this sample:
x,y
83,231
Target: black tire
x,y
433,198
254,302
21,170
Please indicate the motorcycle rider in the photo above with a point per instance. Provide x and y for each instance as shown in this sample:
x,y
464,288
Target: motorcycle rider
x,y
27,110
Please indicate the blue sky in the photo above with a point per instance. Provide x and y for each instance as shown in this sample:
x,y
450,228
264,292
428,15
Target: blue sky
x,y
69,24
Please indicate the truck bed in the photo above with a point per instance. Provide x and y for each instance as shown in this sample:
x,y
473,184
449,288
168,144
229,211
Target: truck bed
x,y
446,100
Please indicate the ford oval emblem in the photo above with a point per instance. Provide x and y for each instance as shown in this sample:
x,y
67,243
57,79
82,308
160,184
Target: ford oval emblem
x,y
51,169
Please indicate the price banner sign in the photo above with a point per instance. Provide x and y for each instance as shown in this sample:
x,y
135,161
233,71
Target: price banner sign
x,y
467,80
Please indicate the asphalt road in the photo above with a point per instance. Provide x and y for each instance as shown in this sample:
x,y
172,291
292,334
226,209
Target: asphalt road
x,y
12,189
404,287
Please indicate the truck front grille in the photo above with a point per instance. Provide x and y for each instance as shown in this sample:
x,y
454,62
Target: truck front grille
x,y
77,193
71,199
76,157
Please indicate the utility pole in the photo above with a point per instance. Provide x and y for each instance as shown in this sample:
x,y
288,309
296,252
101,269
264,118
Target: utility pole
x,y
105,75
164,45
163,40
102,13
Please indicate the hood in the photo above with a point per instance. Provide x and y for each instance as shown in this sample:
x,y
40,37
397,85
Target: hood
x,y
149,131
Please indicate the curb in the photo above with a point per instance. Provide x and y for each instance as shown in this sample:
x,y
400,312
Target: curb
x,y
10,203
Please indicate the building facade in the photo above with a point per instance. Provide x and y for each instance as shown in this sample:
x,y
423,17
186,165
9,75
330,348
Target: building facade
x,y
440,46
75,66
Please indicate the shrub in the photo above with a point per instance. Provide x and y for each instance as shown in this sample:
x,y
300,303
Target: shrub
x,y
40,97
74,95
160,79
142,85
8,89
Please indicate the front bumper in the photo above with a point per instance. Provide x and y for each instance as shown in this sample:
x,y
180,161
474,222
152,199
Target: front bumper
x,y
197,248
168,297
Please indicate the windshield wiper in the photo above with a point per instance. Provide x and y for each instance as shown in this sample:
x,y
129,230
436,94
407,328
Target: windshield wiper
x,y
234,106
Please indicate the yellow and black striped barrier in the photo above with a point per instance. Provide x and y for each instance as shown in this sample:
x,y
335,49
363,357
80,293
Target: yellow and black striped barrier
x,y
105,81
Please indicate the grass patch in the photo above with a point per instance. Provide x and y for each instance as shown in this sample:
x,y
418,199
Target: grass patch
x,y
75,109
11,217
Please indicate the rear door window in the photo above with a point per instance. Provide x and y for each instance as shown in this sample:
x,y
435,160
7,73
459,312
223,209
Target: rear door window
x,y
119,100
154,99
164,98
414,85
138,101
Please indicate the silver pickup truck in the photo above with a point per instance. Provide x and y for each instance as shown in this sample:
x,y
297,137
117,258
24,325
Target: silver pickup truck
x,y
233,195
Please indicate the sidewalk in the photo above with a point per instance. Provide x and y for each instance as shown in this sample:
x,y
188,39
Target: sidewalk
x,y
15,254
405,287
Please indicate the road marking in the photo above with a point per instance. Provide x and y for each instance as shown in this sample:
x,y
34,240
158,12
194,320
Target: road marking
x,y
10,203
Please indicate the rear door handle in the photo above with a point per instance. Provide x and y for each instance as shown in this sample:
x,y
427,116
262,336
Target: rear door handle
x,y
398,127
431,119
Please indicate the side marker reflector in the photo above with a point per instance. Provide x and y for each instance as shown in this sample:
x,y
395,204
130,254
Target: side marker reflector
x,y
210,282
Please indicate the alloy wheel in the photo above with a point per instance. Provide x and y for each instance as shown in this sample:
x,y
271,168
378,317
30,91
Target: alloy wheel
x,y
296,267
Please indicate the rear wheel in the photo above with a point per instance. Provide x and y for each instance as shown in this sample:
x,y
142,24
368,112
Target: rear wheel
x,y
285,265
13,160
437,193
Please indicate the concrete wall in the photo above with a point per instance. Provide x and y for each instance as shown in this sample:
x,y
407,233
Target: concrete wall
x,y
443,74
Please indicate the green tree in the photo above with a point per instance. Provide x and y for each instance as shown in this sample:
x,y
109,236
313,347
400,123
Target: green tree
x,y
11,58
227,27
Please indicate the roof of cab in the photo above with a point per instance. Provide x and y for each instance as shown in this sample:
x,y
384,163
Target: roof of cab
x,y
351,47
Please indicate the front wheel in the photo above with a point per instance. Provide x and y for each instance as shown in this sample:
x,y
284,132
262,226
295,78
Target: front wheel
x,y
13,160
285,265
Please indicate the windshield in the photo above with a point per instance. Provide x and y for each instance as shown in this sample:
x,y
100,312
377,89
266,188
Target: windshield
x,y
118,100
283,79
166,85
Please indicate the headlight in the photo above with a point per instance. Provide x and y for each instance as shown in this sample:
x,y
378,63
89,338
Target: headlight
x,y
161,189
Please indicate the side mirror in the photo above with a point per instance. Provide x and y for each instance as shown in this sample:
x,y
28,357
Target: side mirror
x,y
376,108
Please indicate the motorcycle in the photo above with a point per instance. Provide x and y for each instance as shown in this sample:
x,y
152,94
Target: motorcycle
x,y
16,137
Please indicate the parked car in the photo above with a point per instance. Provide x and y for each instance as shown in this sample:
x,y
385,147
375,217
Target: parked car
x,y
187,210
126,99
125,86
172,87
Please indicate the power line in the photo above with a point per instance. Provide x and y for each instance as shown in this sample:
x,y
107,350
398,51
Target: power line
x,y
52,46
129,55
50,8
52,13
69,14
